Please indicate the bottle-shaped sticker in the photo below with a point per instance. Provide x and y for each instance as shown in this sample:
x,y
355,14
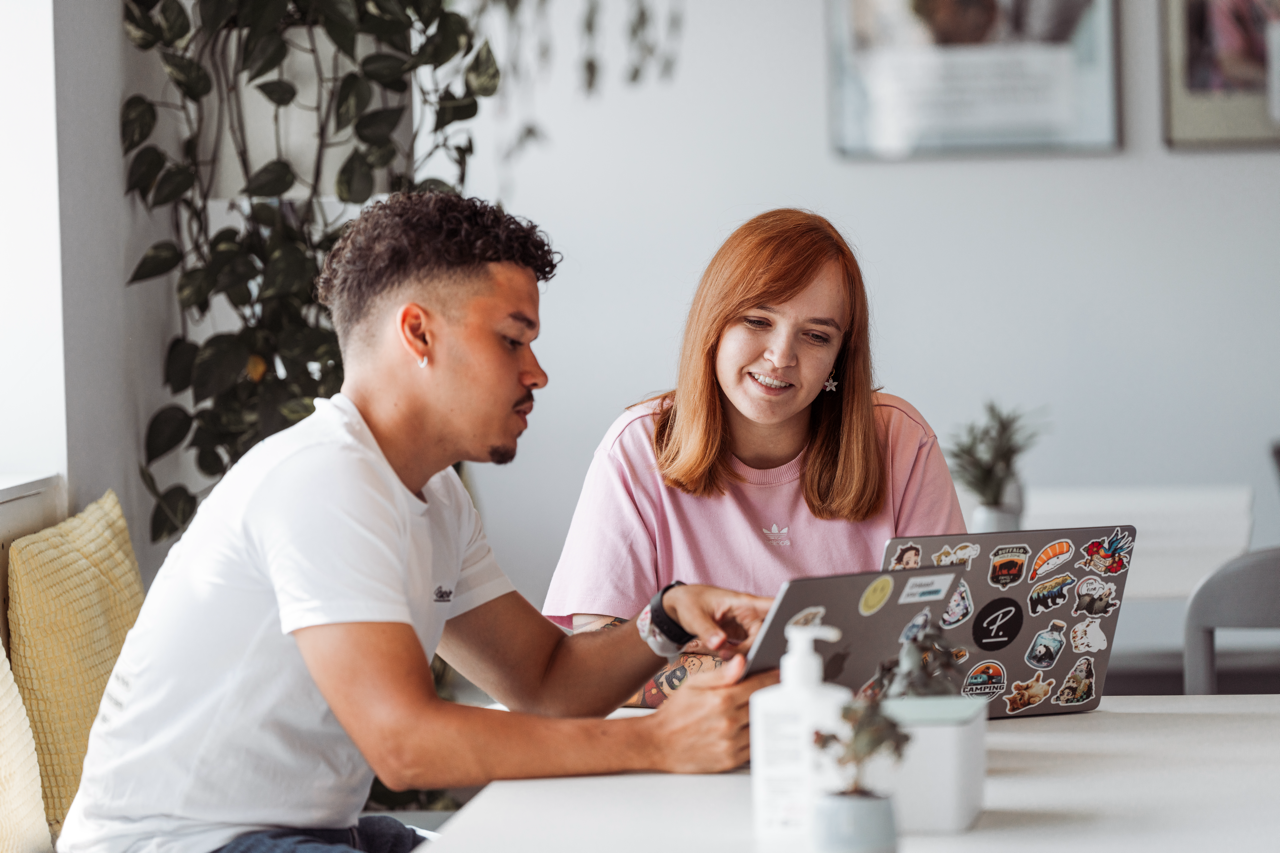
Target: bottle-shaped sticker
x,y
1047,645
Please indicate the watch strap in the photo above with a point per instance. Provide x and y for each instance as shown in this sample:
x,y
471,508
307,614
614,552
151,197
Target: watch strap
x,y
663,622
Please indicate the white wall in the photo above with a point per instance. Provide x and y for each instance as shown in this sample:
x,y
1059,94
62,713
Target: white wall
x,y
33,425
1133,298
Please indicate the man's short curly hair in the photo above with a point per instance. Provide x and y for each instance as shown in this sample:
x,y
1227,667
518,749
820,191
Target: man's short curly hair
x,y
427,237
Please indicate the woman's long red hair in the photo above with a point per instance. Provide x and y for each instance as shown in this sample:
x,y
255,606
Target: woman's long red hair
x,y
767,261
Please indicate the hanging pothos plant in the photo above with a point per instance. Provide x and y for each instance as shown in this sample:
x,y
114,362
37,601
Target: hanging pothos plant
x,y
366,65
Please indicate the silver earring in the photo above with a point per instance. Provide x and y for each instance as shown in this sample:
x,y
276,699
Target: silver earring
x,y
422,362
831,383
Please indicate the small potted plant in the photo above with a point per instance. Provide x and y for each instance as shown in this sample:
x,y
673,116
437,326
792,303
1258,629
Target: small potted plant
x,y
983,458
856,819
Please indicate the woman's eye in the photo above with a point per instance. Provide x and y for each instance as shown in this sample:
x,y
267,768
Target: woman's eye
x,y
756,323
819,339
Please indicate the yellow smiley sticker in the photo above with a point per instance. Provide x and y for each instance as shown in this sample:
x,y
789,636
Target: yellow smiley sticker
x,y
874,597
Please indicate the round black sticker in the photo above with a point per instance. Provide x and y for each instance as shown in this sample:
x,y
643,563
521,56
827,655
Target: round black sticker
x,y
997,625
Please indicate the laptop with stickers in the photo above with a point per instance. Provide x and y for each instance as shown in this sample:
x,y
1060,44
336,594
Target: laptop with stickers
x,y
1031,613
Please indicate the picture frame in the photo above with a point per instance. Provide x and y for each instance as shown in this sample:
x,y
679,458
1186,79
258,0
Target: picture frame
x,y
1212,97
921,78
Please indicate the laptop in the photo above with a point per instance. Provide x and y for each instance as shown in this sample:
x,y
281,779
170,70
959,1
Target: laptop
x,y
1031,614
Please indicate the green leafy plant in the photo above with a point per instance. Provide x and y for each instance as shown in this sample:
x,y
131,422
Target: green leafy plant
x,y
353,72
871,732
983,454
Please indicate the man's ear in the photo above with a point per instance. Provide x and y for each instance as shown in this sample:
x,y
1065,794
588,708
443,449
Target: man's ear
x,y
417,327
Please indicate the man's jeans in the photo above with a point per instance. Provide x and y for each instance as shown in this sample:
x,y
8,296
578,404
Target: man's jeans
x,y
374,834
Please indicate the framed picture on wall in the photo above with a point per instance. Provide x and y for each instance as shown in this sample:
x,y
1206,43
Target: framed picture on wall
x,y
1221,72
930,77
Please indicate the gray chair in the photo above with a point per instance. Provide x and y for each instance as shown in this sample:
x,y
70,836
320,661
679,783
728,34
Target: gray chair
x,y
1244,593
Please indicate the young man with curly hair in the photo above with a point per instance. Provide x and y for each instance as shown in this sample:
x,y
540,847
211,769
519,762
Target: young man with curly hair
x,y
282,656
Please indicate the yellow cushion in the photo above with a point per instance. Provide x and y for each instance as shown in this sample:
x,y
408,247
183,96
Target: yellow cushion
x,y
22,826
74,592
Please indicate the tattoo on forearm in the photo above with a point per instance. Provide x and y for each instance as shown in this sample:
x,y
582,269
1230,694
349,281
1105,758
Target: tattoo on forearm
x,y
657,689
612,623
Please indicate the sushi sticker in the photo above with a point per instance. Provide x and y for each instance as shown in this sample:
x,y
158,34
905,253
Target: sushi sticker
x,y
875,595
962,553
1008,562
1088,636
1095,598
917,624
808,616
908,557
1077,687
1050,557
1028,694
1049,594
959,608
986,680
1109,555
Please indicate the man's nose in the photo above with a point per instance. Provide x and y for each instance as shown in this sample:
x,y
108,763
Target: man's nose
x,y
534,376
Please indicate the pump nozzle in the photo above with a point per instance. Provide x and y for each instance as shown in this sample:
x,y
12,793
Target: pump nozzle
x,y
802,664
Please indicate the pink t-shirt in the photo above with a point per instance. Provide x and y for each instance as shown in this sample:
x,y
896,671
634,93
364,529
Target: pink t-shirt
x,y
632,535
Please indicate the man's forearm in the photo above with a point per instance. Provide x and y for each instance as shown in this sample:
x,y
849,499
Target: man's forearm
x,y
670,677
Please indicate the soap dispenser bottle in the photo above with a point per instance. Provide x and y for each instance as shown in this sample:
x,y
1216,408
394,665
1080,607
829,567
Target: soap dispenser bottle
x,y
787,773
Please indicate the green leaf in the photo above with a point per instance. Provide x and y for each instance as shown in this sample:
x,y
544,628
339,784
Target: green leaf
x,y
137,120
482,73
297,408
147,165
394,34
225,239
234,277
355,179
263,18
266,215
267,54
158,260
450,111
375,127
168,429
289,271
214,14
427,10
341,10
149,482
139,27
174,23
187,74
210,463
434,185
218,365
172,513
388,10
279,92
452,35
383,68
173,185
273,179
381,157
178,363
354,94
194,287
341,34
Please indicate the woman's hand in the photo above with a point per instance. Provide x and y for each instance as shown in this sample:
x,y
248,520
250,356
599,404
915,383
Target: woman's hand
x,y
724,622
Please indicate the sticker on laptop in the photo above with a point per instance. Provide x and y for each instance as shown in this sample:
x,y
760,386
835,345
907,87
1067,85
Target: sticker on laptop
x,y
1046,646
808,616
1077,687
1050,557
986,680
1095,598
959,608
908,557
1049,594
917,624
875,595
1109,555
1008,562
962,553
958,655
1028,694
927,588
997,624
1088,636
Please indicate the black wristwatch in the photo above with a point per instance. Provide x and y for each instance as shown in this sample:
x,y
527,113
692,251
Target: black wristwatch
x,y
663,622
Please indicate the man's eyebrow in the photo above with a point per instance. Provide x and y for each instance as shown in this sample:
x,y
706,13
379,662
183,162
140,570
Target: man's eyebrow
x,y
523,320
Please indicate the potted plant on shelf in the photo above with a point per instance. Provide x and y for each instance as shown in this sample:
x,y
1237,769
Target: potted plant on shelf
x,y
857,819
983,458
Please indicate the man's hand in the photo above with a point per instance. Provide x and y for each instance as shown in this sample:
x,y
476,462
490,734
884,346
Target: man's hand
x,y
724,622
702,728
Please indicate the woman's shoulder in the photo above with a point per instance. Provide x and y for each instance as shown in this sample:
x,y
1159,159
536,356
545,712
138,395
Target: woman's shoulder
x,y
898,417
632,431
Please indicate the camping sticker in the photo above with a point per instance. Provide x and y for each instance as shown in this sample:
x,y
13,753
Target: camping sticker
x,y
986,680
1008,562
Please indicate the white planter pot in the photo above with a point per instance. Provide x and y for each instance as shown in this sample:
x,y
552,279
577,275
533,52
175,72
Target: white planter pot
x,y
850,823
937,787
994,519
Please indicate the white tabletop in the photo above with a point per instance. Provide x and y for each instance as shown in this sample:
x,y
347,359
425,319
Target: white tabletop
x,y
1170,773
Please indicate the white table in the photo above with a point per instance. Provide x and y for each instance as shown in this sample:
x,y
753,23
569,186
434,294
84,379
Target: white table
x,y
1167,774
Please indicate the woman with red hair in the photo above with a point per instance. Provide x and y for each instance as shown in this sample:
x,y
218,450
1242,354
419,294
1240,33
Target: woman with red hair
x,y
774,457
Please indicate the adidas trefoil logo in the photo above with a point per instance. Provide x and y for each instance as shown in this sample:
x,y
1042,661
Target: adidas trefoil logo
x,y
776,536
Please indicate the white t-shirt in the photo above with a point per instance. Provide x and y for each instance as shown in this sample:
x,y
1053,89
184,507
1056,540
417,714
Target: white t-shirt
x,y
211,725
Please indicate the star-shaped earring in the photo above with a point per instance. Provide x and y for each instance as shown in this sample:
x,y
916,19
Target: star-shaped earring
x,y
830,384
